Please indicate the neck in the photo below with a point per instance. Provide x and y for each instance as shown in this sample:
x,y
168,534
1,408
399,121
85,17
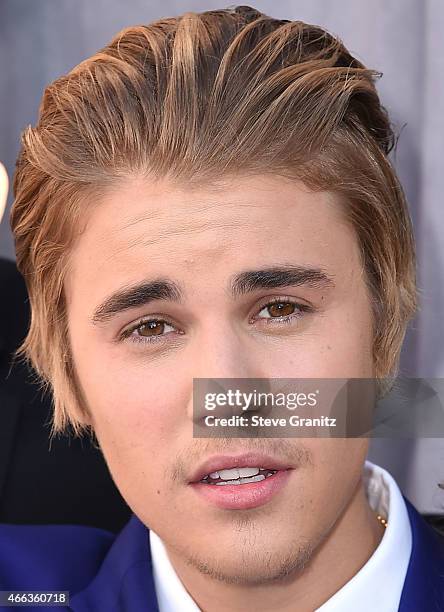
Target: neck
x,y
342,553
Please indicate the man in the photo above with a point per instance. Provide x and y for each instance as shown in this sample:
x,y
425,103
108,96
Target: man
x,y
211,197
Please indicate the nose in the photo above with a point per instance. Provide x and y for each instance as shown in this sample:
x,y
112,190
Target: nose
x,y
219,363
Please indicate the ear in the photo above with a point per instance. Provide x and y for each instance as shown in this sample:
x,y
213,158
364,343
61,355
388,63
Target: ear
x,y
3,189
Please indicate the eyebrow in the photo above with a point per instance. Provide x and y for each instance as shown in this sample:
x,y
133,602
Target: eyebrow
x,y
282,276
134,296
129,297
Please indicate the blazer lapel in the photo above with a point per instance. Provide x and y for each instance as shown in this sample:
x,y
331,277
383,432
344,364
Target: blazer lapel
x,y
125,579
424,582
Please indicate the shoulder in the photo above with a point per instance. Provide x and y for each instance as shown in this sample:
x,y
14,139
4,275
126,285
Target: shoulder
x,y
52,557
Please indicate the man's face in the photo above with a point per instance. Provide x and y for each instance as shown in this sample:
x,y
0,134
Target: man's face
x,y
138,381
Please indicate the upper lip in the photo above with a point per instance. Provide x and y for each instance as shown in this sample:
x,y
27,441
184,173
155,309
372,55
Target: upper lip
x,y
220,462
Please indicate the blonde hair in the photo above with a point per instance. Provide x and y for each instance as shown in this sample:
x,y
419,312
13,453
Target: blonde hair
x,y
193,98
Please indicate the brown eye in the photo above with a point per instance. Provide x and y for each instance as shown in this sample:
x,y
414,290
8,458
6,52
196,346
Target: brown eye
x,y
281,309
151,328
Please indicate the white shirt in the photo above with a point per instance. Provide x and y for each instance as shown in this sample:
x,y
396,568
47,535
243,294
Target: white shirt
x,y
377,585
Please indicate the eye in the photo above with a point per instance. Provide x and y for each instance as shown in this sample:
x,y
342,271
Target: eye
x,y
283,310
278,311
148,330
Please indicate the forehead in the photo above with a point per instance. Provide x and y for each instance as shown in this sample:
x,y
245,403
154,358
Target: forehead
x,y
142,227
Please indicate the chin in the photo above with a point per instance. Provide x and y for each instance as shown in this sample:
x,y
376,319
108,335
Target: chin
x,y
251,559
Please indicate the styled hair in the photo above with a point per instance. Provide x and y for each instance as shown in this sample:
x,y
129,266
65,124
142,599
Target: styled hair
x,y
192,99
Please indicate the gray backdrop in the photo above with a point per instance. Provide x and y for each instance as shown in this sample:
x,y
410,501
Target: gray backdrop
x,y
42,39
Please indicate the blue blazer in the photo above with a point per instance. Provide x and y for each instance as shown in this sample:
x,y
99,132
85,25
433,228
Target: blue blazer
x,y
108,573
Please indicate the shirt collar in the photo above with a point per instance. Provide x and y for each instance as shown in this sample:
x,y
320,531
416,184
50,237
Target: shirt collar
x,y
387,566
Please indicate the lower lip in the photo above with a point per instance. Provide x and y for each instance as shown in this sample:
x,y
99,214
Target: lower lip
x,y
243,496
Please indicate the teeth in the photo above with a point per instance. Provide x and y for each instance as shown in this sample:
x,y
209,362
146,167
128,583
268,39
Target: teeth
x,y
241,480
237,473
248,471
229,474
253,478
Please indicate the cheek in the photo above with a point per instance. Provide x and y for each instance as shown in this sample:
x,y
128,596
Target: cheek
x,y
131,401
134,424
337,468
118,383
134,410
346,347
338,345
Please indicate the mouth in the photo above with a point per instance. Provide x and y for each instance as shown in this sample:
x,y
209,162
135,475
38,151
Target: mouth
x,y
222,468
240,482
237,476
